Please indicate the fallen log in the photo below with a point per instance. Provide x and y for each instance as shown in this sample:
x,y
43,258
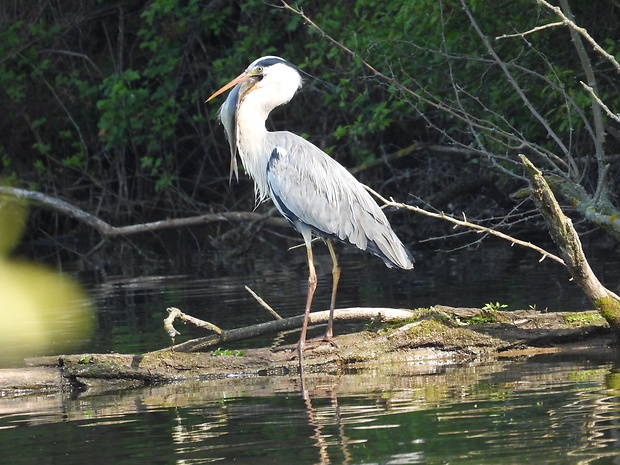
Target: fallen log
x,y
436,336
237,334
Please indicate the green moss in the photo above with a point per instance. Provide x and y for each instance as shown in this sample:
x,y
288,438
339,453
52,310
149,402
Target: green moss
x,y
437,333
609,308
583,319
383,327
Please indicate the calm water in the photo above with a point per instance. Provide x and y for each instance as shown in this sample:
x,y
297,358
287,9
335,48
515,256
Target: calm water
x,y
131,300
544,410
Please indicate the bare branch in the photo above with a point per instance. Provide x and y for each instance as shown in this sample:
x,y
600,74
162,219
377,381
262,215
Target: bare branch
x,y
229,335
531,31
583,32
264,304
495,133
597,116
516,85
590,90
476,227
174,313
106,229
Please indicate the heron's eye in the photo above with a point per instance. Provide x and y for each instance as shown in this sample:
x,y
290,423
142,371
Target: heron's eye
x,y
259,70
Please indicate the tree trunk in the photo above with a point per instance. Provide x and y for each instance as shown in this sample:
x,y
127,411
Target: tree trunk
x,y
565,237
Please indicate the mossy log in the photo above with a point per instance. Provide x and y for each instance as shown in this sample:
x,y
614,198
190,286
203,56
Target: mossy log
x,y
436,336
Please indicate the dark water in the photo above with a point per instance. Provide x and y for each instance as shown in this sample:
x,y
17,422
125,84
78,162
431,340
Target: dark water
x,y
131,300
562,409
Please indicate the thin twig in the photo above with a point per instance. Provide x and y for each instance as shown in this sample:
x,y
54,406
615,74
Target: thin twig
x,y
531,31
466,224
263,303
558,11
515,85
590,90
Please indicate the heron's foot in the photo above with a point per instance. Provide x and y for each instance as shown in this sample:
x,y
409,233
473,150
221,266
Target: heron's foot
x,y
326,338
294,352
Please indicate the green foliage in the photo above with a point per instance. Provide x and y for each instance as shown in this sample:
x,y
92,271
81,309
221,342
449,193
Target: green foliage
x,y
111,102
431,48
125,110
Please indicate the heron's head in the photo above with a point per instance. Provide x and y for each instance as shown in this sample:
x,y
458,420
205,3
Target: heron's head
x,y
269,81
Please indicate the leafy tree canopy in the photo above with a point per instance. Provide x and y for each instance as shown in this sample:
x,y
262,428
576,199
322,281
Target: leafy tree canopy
x,y
104,101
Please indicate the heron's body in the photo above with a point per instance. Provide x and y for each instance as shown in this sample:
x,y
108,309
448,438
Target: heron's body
x,y
301,183
313,191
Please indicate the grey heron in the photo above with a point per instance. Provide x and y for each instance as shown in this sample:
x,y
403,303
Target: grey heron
x,y
316,194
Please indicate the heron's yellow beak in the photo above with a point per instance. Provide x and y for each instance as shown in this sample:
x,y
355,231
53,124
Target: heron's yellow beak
x,y
242,77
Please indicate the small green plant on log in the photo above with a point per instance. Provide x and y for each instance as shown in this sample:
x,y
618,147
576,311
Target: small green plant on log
x,y
219,351
493,307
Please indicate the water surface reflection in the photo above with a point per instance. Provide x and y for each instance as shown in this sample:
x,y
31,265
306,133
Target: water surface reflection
x,y
551,409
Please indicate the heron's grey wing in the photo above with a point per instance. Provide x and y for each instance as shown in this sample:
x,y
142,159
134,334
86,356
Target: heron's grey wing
x,y
297,194
318,195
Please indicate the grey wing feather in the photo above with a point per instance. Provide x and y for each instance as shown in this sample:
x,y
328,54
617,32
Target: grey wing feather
x,y
318,195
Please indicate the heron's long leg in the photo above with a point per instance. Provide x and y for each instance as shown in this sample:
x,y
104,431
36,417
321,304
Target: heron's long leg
x,y
312,280
311,288
329,334
335,279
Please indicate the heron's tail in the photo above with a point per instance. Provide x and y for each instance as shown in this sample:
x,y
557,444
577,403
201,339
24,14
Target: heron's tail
x,y
391,250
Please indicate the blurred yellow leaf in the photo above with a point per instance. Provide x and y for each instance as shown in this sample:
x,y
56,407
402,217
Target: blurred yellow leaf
x,y
42,311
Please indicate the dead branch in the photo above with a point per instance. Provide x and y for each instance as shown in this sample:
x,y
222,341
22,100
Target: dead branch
x,y
605,108
174,313
237,334
105,229
530,31
264,304
566,238
476,227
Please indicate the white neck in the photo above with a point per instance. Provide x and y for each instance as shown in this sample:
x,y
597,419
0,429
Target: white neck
x,y
277,87
251,138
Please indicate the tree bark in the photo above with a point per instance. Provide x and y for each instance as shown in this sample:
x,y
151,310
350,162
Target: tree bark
x,y
566,238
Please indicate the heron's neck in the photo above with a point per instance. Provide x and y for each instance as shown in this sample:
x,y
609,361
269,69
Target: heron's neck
x,y
253,146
